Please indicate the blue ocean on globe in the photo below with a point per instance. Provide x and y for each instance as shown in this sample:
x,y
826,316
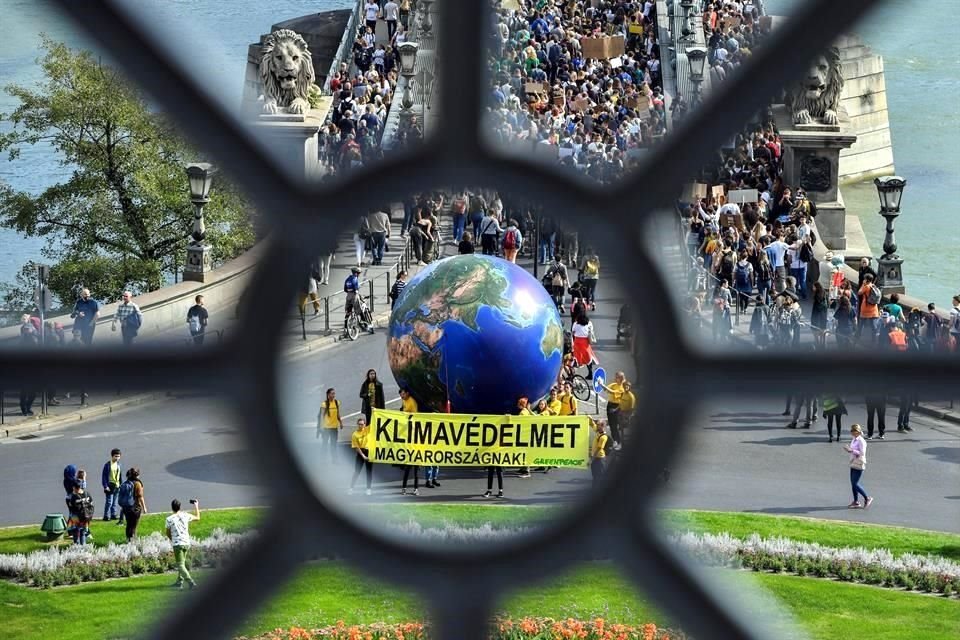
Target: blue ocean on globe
x,y
478,330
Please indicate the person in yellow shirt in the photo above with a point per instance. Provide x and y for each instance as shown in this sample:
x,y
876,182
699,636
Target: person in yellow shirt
x,y
598,452
554,404
329,423
628,405
359,444
523,409
614,397
409,406
568,403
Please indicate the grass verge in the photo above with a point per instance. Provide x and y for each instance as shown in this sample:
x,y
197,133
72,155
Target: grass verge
x,y
328,591
29,538
897,540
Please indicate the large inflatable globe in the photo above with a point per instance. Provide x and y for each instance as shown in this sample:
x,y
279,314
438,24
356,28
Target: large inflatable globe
x,y
478,328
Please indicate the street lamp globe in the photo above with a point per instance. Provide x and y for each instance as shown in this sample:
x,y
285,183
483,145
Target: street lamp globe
x,y
408,57
890,190
200,175
697,57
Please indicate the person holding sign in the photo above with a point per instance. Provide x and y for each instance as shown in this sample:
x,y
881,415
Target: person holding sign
x,y
371,393
359,444
615,393
598,454
409,406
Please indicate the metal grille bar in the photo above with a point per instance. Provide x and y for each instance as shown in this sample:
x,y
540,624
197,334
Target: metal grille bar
x,y
463,583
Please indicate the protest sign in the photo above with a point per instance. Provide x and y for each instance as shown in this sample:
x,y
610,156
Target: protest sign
x,y
718,194
693,191
602,48
455,440
535,87
739,196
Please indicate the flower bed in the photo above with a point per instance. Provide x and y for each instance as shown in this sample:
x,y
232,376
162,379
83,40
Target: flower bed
x,y
501,629
86,563
931,574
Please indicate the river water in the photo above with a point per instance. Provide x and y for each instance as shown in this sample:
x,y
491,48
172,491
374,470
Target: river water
x,y
921,55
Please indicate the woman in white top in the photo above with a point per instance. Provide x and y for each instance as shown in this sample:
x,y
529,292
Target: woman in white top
x,y
583,336
858,462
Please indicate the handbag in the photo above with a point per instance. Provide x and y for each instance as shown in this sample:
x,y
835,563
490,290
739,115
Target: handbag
x,y
364,232
557,280
857,463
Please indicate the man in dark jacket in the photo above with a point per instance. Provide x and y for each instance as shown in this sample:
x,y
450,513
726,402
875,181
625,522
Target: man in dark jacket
x,y
864,271
110,478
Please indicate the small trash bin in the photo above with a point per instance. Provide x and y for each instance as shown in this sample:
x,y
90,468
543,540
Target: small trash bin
x,y
54,525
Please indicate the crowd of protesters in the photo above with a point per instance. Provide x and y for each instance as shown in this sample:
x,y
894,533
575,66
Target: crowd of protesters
x,y
592,114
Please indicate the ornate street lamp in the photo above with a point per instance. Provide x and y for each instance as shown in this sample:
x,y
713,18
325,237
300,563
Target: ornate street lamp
x,y
426,22
408,60
200,175
890,265
697,58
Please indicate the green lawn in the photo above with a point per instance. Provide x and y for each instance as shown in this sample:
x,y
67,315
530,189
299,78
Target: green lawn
x,y
326,592
827,532
29,538
831,533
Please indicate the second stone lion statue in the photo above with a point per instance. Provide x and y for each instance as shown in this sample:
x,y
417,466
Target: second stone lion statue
x,y
817,96
286,73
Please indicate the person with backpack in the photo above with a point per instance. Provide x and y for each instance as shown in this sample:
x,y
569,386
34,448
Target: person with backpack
x,y
556,275
80,507
131,501
763,276
589,275
197,317
489,229
397,289
512,241
130,317
870,297
802,256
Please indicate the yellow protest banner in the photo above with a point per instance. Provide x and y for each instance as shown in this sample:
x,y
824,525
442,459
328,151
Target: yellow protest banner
x,y
461,440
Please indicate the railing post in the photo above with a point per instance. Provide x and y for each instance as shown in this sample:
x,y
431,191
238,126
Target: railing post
x,y
388,284
303,320
370,282
326,315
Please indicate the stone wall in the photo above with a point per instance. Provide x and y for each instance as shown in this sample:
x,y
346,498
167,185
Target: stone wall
x,y
864,98
166,309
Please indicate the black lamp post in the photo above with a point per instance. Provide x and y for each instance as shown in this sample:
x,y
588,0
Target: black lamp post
x,y
890,265
697,57
198,262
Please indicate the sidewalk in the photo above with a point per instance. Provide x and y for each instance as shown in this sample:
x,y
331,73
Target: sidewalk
x,y
223,323
741,337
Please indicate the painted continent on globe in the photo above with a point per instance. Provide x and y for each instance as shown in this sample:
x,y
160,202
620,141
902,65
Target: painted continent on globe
x,y
480,326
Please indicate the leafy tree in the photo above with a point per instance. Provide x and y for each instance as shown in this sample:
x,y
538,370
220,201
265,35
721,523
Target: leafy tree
x,y
123,217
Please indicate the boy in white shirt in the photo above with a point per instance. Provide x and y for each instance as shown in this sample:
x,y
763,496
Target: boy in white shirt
x,y
178,531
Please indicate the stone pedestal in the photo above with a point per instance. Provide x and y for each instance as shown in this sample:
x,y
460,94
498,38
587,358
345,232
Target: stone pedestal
x,y
198,262
294,140
890,275
811,159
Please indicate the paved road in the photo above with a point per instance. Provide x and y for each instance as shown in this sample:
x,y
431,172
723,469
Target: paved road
x,y
739,457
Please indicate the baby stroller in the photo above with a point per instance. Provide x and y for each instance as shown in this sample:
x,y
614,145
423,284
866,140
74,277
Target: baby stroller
x,y
624,324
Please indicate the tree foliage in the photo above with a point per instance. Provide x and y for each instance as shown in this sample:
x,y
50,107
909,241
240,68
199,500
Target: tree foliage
x,y
123,217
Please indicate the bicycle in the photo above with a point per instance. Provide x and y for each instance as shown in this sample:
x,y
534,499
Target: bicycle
x,y
580,386
358,318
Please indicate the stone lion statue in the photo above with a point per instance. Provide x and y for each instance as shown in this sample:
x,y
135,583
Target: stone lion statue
x,y
817,97
286,73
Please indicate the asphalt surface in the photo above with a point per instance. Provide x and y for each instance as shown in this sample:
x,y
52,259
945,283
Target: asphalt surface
x,y
737,457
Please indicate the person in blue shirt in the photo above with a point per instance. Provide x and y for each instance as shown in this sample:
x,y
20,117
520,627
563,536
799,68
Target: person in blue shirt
x,y
351,286
86,310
